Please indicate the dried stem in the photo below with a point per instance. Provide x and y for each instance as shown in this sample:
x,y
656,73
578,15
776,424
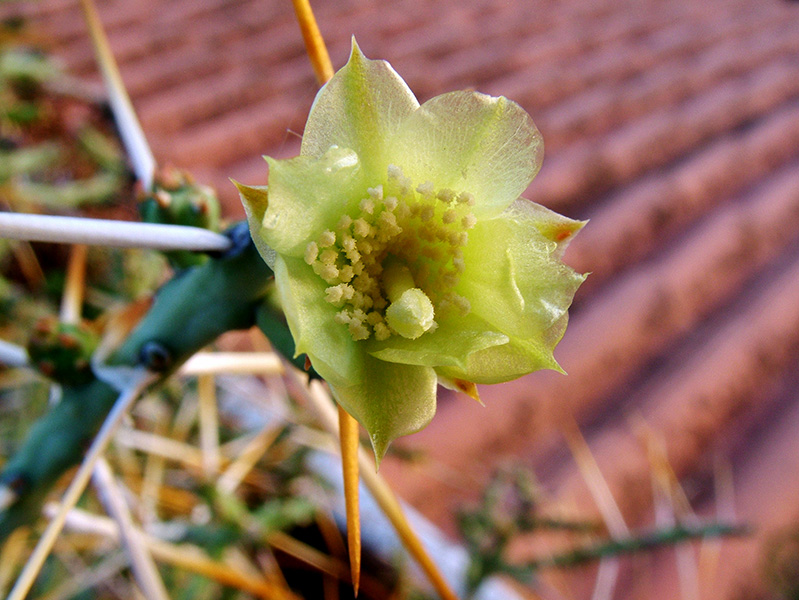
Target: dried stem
x,y
597,485
12,551
76,487
129,127
141,561
75,286
209,425
184,556
86,579
28,263
233,363
247,459
162,446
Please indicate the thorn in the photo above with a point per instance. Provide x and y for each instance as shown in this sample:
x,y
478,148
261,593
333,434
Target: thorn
x,y
348,431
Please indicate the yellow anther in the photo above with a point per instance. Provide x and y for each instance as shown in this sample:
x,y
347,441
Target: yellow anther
x,y
327,239
466,198
427,232
449,216
379,303
329,273
426,189
469,221
311,252
361,228
334,294
403,211
358,331
346,273
446,195
463,304
363,282
388,219
376,192
368,205
328,256
382,332
344,223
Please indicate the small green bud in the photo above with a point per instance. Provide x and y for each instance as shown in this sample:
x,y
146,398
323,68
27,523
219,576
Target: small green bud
x,y
63,351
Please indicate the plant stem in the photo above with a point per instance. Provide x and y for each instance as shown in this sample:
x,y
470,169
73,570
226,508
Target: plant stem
x,y
638,543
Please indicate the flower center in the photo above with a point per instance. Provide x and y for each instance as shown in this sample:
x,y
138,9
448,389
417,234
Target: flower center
x,y
392,267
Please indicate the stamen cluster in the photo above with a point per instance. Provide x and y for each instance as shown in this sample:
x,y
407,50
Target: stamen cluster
x,y
422,229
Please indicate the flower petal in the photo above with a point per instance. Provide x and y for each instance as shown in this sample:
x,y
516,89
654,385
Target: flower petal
x,y
519,357
553,226
450,344
329,345
390,401
255,200
360,108
520,288
306,196
471,142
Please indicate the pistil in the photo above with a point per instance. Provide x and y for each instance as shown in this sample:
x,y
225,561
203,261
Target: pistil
x,y
411,312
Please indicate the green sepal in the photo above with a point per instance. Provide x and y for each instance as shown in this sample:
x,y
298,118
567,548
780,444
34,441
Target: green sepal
x,y
391,400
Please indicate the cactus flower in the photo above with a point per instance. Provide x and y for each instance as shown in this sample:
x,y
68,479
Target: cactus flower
x,y
402,252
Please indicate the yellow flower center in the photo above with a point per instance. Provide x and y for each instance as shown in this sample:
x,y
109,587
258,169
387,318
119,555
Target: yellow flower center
x,y
392,267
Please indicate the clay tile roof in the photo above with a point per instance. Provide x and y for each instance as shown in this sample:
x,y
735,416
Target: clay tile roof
x,y
673,125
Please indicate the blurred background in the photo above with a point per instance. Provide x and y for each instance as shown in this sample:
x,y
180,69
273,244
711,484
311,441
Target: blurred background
x,y
674,127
